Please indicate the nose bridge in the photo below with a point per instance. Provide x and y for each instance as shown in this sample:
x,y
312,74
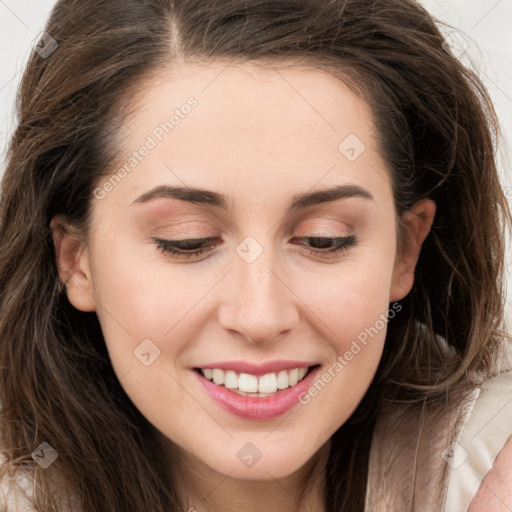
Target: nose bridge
x,y
259,306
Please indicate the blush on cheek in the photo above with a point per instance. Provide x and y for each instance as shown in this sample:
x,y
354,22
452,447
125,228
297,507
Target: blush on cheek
x,y
351,310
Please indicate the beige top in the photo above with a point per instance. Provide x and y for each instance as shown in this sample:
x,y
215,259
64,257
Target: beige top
x,y
422,463
12,494
435,463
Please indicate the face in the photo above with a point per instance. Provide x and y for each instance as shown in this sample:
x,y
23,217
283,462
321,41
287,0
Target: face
x,y
297,270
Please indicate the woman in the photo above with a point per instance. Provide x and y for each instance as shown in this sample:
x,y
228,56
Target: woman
x,y
252,258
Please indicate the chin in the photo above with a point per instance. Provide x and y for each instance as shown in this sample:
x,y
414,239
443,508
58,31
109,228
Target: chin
x,y
258,460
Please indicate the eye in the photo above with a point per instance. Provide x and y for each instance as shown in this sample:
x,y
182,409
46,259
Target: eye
x,y
340,244
197,246
185,248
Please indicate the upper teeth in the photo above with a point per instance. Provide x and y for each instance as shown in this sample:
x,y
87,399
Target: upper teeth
x,y
246,382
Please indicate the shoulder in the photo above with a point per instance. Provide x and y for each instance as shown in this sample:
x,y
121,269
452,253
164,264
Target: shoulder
x,y
408,449
495,491
15,492
481,462
439,456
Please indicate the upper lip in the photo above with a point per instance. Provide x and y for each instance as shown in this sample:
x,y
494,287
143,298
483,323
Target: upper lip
x,y
257,369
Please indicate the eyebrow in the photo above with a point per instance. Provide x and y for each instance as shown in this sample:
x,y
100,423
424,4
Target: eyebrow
x,y
210,198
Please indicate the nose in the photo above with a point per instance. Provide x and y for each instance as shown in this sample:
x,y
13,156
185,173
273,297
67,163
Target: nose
x,y
258,303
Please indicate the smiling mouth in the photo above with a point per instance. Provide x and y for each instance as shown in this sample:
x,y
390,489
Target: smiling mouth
x,y
246,384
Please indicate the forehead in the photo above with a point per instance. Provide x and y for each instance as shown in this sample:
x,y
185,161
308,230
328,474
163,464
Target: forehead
x,y
249,96
251,125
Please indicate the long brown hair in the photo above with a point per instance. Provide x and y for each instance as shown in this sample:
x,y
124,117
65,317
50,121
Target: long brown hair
x,y
436,128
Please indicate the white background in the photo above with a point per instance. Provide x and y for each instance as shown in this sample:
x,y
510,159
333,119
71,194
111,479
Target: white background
x,y
487,41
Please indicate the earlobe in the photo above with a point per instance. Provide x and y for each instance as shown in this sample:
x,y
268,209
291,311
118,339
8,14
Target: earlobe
x,y
72,259
417,221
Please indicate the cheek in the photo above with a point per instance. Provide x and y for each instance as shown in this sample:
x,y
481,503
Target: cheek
x,y
354,298
147,319
353,307
355,301
139,297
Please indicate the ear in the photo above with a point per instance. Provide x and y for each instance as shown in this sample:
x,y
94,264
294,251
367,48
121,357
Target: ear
x,y
417,223
73,263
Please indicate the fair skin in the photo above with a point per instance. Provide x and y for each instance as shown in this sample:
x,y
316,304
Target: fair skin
x,y
495,491
260,138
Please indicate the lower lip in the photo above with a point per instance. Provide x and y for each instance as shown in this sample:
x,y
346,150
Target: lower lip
x,y
254,408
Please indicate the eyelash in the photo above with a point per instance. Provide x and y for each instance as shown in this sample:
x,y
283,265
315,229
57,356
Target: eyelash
x,y
169,246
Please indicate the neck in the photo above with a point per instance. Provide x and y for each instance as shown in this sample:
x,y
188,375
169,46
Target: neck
x,y
202,489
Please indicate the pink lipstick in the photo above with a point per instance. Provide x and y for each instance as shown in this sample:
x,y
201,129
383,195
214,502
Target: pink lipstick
x,y
254,407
